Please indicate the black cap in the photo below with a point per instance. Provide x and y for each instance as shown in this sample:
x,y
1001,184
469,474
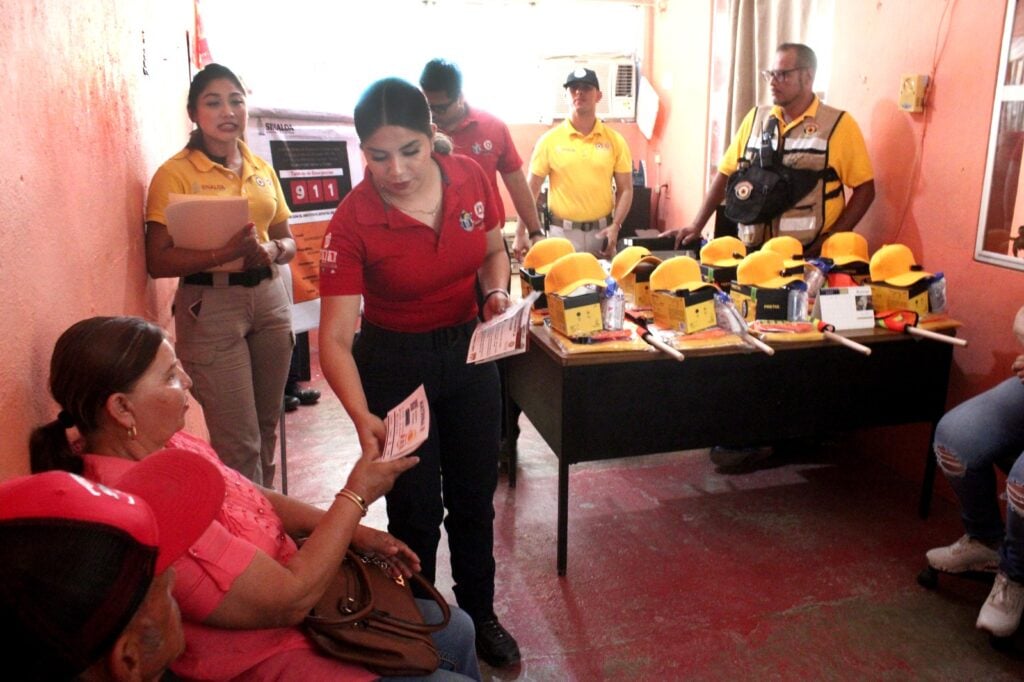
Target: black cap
x,y
582,75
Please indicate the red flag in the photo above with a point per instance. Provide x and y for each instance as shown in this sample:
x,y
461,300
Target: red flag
x,y
202,48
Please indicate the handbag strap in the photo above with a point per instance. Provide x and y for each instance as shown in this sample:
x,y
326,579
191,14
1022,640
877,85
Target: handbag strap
x,y
425,628
364,581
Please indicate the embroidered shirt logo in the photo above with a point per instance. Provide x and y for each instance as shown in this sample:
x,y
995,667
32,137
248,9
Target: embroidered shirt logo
x,y
465,221
260,181
478,209
488,145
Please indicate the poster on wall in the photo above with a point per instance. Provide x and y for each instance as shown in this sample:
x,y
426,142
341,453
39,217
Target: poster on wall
x,y
317,161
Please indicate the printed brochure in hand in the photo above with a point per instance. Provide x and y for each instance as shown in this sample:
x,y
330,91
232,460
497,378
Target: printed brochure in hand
x,y
408,425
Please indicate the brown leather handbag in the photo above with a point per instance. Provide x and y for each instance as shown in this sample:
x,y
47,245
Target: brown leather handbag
x,y
369,618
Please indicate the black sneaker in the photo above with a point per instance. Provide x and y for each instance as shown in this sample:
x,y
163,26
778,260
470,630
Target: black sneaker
x,y
494,644
306,396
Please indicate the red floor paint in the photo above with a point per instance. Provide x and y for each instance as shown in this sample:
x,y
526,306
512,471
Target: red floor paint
x,y
801,570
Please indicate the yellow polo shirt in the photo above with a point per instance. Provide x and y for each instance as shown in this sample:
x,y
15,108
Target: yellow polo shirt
x,y
847,154
580,169
190,171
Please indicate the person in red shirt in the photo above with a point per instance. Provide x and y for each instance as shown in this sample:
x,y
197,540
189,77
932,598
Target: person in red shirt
x,y
411,242
485,139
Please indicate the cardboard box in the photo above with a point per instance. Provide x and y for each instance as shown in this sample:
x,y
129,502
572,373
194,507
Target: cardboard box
x,y
888,297
529,281
722,276
575,316
637,287
759,303
683,310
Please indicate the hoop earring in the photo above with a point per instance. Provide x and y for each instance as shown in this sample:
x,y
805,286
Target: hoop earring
x,y
133,433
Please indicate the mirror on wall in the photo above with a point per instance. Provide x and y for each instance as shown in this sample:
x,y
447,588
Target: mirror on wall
x,y
1001,223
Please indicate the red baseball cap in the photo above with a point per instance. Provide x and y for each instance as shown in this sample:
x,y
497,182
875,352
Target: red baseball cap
x,y
77,558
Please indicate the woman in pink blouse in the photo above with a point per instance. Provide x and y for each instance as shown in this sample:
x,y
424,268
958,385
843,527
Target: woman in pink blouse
x,y
244,587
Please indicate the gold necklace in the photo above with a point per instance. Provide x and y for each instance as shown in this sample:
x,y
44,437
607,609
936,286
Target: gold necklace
x,y
427,212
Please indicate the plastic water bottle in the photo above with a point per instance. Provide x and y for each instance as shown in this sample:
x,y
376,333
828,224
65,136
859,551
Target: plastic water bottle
x,y
613,306
937,293
796,310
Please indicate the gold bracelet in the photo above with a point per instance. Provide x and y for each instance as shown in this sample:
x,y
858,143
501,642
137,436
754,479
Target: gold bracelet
x,y
354,497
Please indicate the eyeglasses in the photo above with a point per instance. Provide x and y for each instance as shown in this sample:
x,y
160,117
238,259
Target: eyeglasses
x,y
781,75
441,108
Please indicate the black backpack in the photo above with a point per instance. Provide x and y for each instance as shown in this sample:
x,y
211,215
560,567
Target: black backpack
x,y
762,189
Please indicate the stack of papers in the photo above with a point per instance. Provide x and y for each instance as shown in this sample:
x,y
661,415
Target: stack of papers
x,y
503,335
205,223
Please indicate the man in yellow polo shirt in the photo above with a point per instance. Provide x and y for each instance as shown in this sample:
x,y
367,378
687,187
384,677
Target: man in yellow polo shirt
x,y
581,157
813,136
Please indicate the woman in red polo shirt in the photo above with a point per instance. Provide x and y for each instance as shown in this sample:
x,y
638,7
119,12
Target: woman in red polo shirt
x,y
412,240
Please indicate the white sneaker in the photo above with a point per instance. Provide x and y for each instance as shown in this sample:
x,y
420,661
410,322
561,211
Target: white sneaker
x,y
966,554
1001,613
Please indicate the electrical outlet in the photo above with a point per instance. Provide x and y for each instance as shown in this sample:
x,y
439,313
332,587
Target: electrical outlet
x,y
912,92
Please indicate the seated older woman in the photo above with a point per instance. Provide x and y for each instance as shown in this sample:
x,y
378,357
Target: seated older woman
x,y
243,587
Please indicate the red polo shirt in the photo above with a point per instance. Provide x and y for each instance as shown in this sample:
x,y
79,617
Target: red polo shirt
x,y
411,278
487,140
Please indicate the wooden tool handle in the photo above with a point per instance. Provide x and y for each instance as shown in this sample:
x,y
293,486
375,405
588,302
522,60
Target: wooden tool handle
x,y
935,336
662,346
758,344
849,343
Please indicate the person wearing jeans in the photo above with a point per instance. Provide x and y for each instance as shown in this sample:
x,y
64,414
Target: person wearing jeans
x,y
971,440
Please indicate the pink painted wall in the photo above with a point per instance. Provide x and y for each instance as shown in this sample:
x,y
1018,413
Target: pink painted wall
x,y
935,210
83,131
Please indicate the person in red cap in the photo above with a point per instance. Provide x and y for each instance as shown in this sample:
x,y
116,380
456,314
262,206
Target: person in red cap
x,y
813,136
971,441
485,139
85,570
244,587
581,158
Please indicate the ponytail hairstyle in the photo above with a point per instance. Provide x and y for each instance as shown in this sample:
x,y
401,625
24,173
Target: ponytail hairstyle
x,y
210,73
392,102
91,361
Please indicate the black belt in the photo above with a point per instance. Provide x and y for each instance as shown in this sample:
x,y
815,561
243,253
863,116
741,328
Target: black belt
x,y
248,278
583,226
437,339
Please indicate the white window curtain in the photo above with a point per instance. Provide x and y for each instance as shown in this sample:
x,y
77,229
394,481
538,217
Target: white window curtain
x,y
746,33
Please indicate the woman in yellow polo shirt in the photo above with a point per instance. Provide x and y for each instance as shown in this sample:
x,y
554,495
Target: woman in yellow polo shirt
x,y
233,329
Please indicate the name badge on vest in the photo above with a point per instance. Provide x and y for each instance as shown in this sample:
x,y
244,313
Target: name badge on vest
x,y
797,224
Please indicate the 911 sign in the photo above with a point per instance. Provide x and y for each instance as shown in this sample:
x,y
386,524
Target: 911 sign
x,y
314,174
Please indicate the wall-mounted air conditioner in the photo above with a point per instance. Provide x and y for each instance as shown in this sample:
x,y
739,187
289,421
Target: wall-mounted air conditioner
x,y
615,72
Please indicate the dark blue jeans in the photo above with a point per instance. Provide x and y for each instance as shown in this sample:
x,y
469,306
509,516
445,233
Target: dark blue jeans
x,y
973,439
458,470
